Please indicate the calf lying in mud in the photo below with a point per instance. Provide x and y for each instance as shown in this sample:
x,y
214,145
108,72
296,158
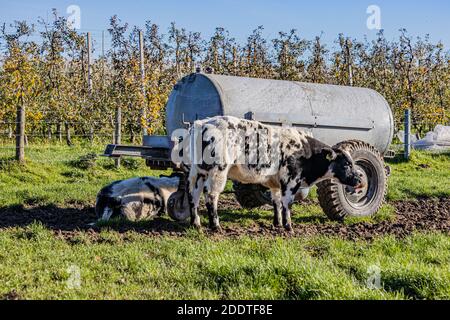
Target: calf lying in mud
x,y
136,199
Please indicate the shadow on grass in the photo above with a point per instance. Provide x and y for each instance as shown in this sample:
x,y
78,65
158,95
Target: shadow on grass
x,y
300,215
74,219
58,218
83,218
51,216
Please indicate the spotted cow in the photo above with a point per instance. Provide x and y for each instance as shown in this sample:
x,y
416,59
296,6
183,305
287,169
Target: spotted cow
x,y
136,199
279,158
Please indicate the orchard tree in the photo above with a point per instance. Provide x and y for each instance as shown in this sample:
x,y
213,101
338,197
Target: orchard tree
x,y
51,79
178,44
63,54
20,79
257,61
159,81
317,66
289,50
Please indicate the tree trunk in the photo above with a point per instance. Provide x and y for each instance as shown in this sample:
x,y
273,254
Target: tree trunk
x,y
91,134
49,132
68,136
59,131
132,135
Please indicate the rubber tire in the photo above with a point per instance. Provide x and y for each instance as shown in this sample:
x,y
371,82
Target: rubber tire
x,y
331,194
251,196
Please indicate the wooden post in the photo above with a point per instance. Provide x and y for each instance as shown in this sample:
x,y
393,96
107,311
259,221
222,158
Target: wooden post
x,y
49,131
407,134
89,60
59,131
349,63
68,134
20,133
284,61
103,58
142,67
118,132
235,66
103,43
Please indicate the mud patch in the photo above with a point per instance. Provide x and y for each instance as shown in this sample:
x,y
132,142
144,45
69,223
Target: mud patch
x,y
70,223
411,216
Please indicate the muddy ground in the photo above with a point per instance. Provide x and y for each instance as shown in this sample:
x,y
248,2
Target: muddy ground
x,y
419,215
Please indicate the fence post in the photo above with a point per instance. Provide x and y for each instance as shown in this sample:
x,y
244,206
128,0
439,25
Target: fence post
x,y
20,134
89,61
407,139
142,67
349,63
118,132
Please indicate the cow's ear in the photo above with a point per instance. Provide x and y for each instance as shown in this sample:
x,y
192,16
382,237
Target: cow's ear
x,y
330,154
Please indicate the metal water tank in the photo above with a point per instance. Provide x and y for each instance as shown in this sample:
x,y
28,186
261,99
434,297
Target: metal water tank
x,y
332,113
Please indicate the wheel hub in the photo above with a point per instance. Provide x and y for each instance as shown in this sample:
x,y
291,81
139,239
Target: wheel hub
x,y
359,197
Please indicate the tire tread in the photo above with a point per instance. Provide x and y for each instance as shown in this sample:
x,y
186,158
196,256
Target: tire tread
x,y
327,191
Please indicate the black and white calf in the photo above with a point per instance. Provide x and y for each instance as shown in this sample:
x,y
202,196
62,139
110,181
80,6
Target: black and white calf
x,y
136,199
281,159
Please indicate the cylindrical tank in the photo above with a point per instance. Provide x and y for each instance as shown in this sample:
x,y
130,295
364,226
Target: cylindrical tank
x,y
332,113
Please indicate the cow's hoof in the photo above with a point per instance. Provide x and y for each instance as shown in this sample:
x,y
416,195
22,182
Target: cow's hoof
x,y
288,228
277,224
216,229
197,227
277,227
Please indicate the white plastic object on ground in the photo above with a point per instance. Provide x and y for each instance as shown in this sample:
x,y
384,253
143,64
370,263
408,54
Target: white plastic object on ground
x,y
439,139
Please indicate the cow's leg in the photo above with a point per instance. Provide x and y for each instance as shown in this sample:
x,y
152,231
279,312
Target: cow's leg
x,y
277,207
287,223
214,186
195,187
212,200
287,198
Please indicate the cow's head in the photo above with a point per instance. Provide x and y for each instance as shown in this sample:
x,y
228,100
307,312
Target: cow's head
x,y
342,167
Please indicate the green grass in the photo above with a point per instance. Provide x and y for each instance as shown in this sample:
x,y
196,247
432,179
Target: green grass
x,y
61,175
65,175
36,263
425,175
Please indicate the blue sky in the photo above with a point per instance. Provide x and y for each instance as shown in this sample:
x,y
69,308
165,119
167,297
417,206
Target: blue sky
x,y
310,18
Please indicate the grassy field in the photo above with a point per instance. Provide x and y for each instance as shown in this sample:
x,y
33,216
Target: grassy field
x,y
39,263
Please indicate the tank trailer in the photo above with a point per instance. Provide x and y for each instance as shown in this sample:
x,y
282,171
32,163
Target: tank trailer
x,y
357,119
